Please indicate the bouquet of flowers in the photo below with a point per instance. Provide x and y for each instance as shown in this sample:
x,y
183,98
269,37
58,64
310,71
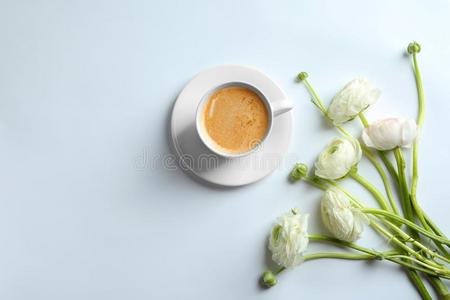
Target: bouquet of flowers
x,y
418,244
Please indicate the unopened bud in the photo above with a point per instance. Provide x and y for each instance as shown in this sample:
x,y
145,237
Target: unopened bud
x,y
269,279
302,76
298,172
414,47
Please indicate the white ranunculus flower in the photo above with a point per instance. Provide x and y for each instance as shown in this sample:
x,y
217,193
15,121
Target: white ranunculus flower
x,y
390,133
289,239
338,158
355,97
343,220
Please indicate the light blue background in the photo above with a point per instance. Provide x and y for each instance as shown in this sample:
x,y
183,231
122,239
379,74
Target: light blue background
x,y
86,89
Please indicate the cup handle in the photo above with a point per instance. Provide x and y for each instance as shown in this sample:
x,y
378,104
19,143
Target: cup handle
x,y
281,106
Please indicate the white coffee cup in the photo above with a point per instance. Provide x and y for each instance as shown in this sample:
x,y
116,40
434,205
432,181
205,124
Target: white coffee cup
x,y
275,107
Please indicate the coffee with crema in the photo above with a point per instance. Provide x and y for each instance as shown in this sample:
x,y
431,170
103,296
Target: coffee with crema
x,y
236,119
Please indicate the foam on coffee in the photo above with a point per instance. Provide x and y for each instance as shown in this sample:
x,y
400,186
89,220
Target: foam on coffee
x,y
236,119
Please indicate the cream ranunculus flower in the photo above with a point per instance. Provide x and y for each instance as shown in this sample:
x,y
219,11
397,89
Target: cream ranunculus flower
x,y
338,158
390,133
355,97
289,239
343,220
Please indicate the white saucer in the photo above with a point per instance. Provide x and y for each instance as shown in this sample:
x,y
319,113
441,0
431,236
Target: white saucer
x,y
194,157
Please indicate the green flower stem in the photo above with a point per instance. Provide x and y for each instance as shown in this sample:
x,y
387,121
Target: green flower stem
x,y
418,211
350,256
439,286
369,187
407,205
437,231
315,183
363,119
413,48
420,92
392,255
422,217
436,269
386,183
417,243
337,242
408,223
316,99
425,221
420,118
433,226
387,255
389,166
441,248
370,257
339,256
411,266
400,243
415,174
420,286
320,255
405,238
404,192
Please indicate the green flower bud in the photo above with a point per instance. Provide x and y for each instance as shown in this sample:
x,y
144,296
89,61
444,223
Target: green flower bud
x,y
298,172
302,76
269,279
414,47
